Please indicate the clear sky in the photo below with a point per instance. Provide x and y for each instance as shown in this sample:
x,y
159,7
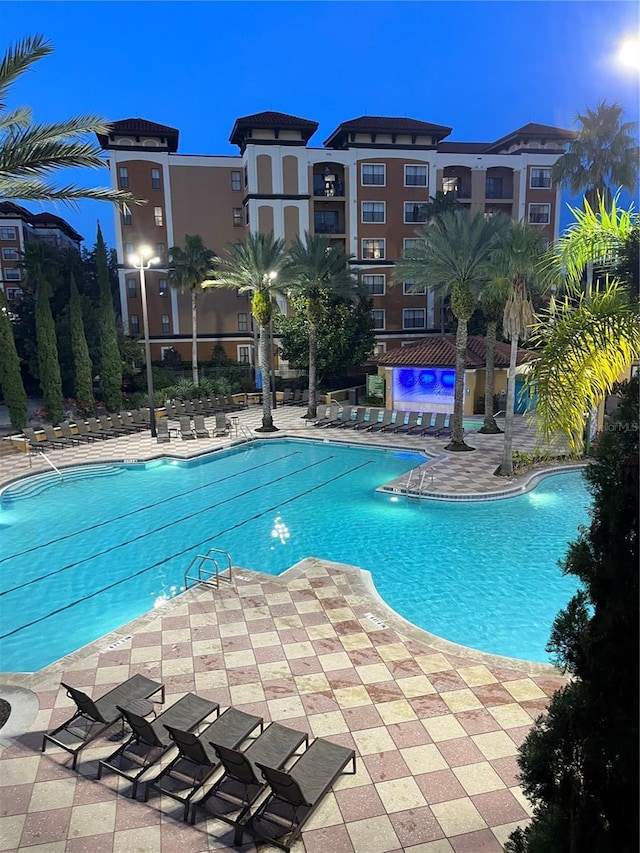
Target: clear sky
x,y
483,68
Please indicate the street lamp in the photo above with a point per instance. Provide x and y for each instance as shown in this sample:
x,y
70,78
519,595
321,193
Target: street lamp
x,y
271,277
141,262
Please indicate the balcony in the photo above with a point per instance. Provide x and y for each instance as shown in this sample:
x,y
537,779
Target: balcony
x,y
328,184
328,227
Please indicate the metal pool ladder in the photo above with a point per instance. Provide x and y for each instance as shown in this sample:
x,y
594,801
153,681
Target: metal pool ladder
x,y
205,568
420,485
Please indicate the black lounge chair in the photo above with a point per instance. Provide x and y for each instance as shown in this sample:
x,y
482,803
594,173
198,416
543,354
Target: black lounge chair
x,y
86,433
328,414
447,430
438,425
384,422
410,422
35,442
162,431
287,397
75,438
199,428
128,421
423,424
95,428
295,794
92,718
150,740
358,416
54,439
197,760
341,416
369,419
222,426
242,783
186,432
109,425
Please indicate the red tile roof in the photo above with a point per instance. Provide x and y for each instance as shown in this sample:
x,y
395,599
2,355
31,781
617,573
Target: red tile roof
x,y
440,351
271,120
385,124
141,127
534,131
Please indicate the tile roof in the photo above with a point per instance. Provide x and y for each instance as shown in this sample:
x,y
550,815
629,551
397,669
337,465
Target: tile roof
x,y
385,124
274,119
140,125
534,130
440,351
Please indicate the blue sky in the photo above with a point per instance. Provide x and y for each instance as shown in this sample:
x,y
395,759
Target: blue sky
x,y
483,68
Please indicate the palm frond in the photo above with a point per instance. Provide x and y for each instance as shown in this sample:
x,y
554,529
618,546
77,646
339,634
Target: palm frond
x,y
31,189
16,120
18,59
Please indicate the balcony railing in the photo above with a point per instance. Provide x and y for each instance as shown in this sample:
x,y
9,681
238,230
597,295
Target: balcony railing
x,y
329,191
328,228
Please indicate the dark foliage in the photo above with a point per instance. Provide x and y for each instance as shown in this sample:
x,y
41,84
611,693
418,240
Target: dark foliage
x,y
11,385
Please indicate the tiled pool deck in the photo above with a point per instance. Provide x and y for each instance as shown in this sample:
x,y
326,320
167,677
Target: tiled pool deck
x,y
436,727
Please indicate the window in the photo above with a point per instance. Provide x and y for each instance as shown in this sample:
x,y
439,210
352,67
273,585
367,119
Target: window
x,y
450,185
12,275
246,215
163,287
166,323
7,233
379,348
540,179
155,179
378,318
246,177
158,216
375,284
373,211
414,212
493,188
373,249
238,218
243,323
10,255
134,324
415,176
128,250
123,176
373,174
539,214
13,293
240,294
410,243
244,355
161,249
413,318
132,289
126,218
409,289
326,222
236,180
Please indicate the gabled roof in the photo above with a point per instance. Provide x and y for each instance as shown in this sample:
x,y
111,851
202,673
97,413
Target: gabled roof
x,y
9,208
271,120
140,127
537,132
385,124
50,220
440,351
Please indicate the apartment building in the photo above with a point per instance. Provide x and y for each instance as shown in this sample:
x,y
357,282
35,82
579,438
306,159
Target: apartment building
x,y
366,188
18,227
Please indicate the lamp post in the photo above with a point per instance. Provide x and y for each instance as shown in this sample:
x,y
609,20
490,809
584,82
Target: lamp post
x,y
271,277
142,262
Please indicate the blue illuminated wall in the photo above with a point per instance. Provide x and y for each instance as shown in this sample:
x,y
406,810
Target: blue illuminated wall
x,y
423,388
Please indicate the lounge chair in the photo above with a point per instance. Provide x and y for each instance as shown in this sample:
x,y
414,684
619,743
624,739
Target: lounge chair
x,y
150,740
423,424
410,422
446,431
325,414
197,760
186,432
438,424
123,424
93,717
96,429
141,417
56,440
305,397
35,442
65,429
287,397
162,431
381,424
199,428
110,426
83,430
295,794
357,416
128,421
370,418
222,426
342,415
242,783
188,407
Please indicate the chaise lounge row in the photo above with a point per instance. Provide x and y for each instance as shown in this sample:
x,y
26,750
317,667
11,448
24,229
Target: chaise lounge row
x,y
385,420
265,787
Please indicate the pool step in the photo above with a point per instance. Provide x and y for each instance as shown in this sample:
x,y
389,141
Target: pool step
x,y
37,484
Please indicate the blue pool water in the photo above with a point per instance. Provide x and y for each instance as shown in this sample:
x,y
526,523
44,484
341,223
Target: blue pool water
x,y
83,557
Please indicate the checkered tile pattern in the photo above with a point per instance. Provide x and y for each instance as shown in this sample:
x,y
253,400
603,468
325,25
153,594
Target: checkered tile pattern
x,y
436,727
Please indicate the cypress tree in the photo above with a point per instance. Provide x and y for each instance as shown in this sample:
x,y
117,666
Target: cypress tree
x,y
48,366
82,368
110,361
10,375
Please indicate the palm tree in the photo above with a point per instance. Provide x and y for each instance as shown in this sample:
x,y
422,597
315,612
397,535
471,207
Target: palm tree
x,y
519,257
30,152
257,267
315,267
493,297
453,256
590,338
602,154
190,269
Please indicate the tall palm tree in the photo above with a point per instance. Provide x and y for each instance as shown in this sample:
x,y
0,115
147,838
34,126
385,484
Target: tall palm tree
x,y
603,154
257,267
189,269
454,257
493,297
315,267
30,152
590,338
519,257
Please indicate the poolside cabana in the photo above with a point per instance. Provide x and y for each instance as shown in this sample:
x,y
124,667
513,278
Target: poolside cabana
x,y
421,375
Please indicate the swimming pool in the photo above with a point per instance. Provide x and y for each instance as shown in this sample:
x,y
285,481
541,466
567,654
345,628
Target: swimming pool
x,y
82,557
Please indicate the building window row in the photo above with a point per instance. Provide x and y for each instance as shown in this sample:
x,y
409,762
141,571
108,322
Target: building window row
x,y
8,233
10,255
12,274
376,211
412,318
236,180
375,284
123,178
238,217
375,175
540,214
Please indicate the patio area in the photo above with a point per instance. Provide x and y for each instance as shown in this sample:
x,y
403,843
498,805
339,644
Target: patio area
x,y
436,727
